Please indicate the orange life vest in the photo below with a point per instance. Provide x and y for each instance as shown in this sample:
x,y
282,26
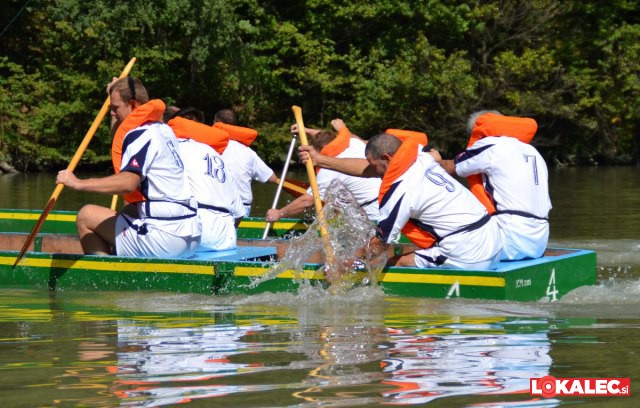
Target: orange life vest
x,y
403,135
149,112
190,129
491,124
400,162
337,145
244,135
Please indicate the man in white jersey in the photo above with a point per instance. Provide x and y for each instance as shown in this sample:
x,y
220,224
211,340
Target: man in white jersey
x,y
243,163
416,189
516,177
219,202
167,224
364,190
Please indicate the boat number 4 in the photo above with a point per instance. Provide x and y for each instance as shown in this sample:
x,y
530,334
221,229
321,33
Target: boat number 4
x,y
552,291
454,290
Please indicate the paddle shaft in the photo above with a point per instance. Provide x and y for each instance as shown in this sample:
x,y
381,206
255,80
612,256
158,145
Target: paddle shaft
x,y
114,202
311,172
297,112
72,165
281,181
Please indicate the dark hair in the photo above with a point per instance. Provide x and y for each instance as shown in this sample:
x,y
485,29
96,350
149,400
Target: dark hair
x,y
190,113
321,139
169,112
382,143
226,116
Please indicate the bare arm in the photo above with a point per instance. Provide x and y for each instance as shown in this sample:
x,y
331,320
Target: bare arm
x,y
352,167
309,131
295,207
448,165
121,183
377,247
338,124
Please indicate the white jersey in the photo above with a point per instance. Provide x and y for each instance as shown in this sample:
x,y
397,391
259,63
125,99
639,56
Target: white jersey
x,y
438,204
169,207
516,176
245,166
219,201
365,190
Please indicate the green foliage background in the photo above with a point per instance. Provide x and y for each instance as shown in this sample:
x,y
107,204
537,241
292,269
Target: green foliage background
x,y
424,65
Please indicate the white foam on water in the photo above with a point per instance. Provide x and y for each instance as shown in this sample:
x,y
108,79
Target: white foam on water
x,y
610,252
611,292
314,295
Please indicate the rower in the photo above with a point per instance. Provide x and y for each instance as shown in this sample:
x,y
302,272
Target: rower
x,y
165,223
510,178
219,202
340,145
243,163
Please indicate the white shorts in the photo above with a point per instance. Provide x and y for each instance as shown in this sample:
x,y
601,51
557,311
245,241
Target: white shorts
x,y
247,210
524,237
218,231
154,243
477,249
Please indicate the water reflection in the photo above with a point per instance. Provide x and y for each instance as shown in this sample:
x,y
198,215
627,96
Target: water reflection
x,y
343,352
472,357
168,365
330,365
281,350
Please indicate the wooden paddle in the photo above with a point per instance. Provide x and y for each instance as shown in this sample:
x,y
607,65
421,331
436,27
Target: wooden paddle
x,y
72,165
114,202
297,112
281,181
294,187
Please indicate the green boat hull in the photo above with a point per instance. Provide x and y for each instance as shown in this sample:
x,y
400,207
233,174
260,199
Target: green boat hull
x,y
550,277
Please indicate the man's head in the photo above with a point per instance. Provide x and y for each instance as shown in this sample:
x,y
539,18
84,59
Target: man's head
x,y
126,94
169,112
321,139
473,118
379,151
190,113
226,116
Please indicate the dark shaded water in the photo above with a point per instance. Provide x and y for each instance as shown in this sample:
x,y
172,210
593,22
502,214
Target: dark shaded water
x,y
311,350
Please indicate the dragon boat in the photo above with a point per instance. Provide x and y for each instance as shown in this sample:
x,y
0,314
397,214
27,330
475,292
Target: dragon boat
x,y
55,262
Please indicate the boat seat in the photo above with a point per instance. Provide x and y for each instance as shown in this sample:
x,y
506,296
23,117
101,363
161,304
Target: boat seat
x,y
242,253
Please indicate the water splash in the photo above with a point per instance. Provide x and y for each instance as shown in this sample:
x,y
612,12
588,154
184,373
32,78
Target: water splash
x,y
348,234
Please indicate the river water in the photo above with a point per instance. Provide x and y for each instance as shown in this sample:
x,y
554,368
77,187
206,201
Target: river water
x,y
75,349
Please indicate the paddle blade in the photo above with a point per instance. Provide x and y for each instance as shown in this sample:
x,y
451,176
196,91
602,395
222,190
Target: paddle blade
x,y
35,230
295,187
